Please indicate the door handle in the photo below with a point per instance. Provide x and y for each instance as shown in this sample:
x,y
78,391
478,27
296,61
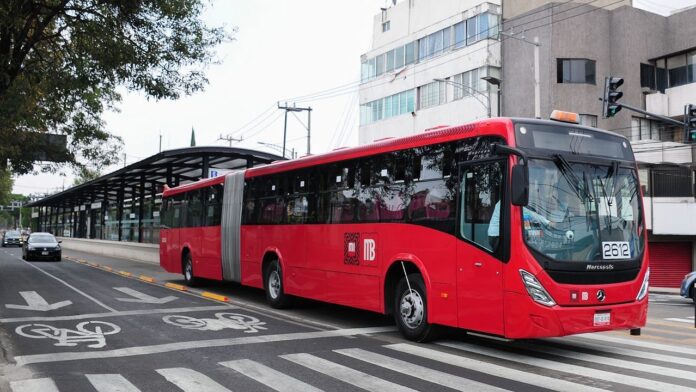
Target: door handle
x,y
478,264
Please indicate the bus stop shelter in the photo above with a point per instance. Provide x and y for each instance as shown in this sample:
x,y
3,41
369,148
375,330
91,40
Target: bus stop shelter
x,y
124,205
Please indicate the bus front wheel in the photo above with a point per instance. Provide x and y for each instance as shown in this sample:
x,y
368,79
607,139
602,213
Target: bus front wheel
x,y
188,270
275,292
411,309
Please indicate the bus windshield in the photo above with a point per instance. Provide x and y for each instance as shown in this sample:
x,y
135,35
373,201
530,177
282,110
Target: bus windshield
x,y
583,212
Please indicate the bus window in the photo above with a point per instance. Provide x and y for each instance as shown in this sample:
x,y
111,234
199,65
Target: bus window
x,y
178,209
480,212
194,209
165,218
214,205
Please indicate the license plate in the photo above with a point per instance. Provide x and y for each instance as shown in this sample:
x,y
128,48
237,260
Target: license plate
x,y
44,253
601,319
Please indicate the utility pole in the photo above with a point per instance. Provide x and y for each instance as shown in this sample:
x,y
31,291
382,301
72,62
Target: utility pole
x,y
537,88
160,141
294,108
230,139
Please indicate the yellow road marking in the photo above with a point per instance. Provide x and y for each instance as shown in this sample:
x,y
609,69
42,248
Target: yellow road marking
x,y
176,286
125,273
106,267
214,296
146,278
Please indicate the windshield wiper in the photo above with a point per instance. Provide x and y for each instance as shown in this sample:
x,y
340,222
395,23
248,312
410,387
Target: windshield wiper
x,y
573,180
609,203
613,170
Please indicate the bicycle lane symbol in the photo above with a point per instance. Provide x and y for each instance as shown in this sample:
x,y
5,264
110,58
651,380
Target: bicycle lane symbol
x,y
248,324
93,332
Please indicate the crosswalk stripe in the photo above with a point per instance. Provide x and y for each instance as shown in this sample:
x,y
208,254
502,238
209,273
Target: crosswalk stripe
x,y
682,320
551,383
345,374
35,385
191,381
111,383
424,373
665,371
269,377
639,343
629,352
568,368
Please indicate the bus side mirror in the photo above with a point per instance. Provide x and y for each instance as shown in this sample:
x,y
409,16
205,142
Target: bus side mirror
x,y
520,185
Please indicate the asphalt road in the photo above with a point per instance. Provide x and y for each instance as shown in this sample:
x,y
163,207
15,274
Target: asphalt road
x,y
74,327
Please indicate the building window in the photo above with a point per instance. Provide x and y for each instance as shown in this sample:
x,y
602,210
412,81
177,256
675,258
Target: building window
x,y
464,33
466,84
431,94
460,34
645,129
676,69
575,71
383,108
647,76
481,26
588,120
386,26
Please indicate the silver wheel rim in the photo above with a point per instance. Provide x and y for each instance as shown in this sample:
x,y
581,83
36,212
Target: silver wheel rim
x,y
274,284
411,309
188,272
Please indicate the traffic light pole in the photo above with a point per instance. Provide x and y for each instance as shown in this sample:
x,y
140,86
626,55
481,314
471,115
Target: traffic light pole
x,y
657,116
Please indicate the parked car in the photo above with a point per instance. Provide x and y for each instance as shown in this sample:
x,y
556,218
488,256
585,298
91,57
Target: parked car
x,y
687,286
41,246
12,238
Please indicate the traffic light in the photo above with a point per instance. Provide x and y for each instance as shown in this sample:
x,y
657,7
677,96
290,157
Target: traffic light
x,y
690,122
610,106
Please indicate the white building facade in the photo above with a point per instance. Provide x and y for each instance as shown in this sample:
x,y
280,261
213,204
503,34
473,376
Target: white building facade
x,y
426,65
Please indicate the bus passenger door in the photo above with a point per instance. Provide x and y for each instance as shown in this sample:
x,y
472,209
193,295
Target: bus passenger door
x,y
479,270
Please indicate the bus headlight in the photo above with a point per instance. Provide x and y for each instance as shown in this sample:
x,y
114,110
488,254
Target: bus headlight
x,y
536,290
644,287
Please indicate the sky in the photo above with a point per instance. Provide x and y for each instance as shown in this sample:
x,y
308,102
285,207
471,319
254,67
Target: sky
x,y
282,50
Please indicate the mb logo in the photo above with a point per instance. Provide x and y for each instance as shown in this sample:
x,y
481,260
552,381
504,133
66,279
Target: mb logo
x,y
359,248
369,249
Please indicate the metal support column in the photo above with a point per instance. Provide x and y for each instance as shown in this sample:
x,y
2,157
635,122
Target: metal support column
x,y
141,209
205,172
119,208
170,180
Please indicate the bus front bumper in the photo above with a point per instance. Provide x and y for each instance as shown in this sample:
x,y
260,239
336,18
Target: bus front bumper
x,y
527,319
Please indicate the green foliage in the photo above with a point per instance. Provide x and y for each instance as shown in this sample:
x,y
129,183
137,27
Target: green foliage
x,y
85,174
61,62
6,183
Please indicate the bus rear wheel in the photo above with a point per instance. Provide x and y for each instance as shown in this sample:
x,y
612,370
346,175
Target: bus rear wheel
x,y
273,282
411,309
189,278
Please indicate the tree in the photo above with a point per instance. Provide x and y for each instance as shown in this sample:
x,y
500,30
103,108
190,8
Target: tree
x,y
85,174
6,183
61,62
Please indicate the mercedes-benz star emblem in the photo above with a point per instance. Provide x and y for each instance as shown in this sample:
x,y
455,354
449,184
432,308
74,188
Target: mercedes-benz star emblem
x,y
600,295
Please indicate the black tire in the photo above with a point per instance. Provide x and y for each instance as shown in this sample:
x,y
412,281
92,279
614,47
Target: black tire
x,y
413,323
189,277
58,258
273,283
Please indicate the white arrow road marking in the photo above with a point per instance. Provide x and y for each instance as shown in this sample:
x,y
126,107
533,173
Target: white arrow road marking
x,y
36,302
142,297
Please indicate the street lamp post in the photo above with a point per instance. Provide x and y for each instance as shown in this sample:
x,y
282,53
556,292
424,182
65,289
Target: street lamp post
x,y
496,82
472,91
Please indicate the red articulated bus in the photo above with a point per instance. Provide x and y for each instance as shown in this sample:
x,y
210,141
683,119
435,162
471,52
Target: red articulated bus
x,y
513,227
